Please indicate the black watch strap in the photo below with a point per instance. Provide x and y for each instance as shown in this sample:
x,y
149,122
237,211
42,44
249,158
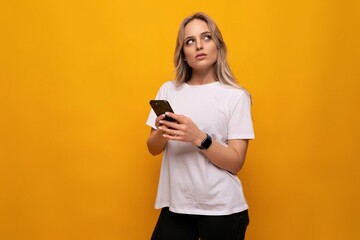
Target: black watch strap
x,y
205,144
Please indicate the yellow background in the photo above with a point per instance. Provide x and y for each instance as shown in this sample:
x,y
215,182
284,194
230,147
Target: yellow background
x,y
75,81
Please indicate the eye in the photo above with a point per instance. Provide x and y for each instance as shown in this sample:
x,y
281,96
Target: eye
x,y
189,41
207,37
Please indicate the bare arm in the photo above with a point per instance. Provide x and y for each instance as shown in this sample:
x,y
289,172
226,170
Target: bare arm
x,y
156,142
230,158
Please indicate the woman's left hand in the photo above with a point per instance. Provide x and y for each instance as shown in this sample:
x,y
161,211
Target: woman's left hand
x,y
184,130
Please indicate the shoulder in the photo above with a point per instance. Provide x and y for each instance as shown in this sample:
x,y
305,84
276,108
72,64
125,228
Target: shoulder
x,y
169,85
234,92
166,89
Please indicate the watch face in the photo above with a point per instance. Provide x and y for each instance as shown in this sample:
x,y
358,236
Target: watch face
x,y
206,143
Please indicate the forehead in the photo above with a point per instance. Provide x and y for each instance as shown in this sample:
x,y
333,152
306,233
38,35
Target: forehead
x,y
196,27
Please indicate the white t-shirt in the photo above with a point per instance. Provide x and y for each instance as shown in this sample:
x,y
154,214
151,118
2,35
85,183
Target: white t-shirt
x,y
189,183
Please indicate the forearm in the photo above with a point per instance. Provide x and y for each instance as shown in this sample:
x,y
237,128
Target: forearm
x,y
156,142
225,157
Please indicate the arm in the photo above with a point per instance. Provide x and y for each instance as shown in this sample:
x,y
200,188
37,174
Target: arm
x,y
230,158
156,142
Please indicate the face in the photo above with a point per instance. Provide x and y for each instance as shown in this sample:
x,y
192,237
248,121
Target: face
x,y
199,48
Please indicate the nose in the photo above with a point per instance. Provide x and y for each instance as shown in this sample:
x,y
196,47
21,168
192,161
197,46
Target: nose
x,y
199,44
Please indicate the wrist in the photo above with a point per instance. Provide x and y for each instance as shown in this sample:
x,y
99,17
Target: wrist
x,y
199,138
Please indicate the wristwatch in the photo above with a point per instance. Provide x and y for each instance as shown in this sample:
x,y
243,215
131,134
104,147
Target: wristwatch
x,y
205,144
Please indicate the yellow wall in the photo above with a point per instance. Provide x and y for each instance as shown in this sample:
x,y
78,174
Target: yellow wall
x,y
75,81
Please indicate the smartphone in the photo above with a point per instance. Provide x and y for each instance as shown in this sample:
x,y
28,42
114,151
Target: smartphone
x,y
160,107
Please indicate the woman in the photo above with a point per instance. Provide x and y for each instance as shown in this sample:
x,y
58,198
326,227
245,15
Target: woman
x,y
199,191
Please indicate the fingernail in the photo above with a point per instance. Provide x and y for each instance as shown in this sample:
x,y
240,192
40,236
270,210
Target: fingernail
x,y
160,128
160,121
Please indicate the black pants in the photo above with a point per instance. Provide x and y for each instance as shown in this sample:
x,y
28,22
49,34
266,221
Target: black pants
x,y
175,226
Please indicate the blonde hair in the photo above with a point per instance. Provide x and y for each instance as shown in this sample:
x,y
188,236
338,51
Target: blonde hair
x,y
222,71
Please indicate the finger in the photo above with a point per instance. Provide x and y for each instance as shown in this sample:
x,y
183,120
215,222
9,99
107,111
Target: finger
x,y
171,132
158,119
173,116
163,128
172,125
172,137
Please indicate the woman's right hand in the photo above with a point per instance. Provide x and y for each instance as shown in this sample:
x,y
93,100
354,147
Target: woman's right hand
x,y
157,121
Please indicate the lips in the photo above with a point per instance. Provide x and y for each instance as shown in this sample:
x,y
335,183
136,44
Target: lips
x,y
200,55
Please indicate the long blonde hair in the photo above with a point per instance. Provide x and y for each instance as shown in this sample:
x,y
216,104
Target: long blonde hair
x,y
222,71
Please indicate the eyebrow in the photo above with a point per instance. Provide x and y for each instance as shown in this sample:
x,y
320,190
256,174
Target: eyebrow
x,y
203,33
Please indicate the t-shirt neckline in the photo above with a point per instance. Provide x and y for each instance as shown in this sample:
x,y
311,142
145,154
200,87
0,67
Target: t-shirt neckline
x,y
202,85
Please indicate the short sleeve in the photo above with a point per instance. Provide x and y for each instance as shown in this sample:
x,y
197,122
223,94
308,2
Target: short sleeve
x,y
161,95
240,120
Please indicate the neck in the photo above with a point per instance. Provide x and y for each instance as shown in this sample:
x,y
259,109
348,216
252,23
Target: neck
x,y
201,77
